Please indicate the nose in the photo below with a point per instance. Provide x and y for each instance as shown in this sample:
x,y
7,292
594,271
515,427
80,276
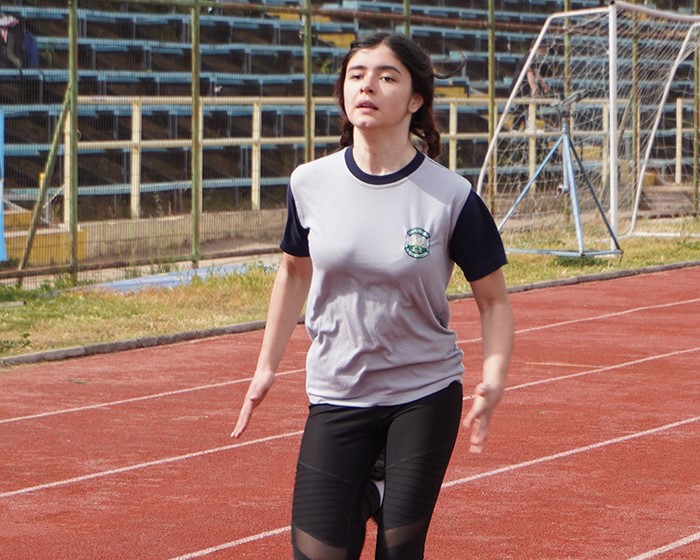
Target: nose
x,y
367,87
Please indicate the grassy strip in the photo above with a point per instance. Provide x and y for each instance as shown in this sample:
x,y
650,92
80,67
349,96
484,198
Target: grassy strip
x,y
51,317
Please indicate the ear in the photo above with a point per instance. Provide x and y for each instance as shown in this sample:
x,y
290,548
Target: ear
x,y
415,103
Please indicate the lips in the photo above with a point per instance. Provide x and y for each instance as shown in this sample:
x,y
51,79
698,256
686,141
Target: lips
x,y
366,105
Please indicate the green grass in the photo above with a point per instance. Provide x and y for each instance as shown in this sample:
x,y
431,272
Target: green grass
x,y
55,316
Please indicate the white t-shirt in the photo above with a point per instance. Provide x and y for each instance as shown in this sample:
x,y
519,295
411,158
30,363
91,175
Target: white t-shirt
x,y
383,249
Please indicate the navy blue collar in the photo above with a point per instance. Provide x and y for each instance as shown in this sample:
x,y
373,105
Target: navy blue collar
x,y
382,179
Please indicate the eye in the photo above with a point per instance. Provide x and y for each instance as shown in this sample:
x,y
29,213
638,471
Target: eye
x,y
387,78
354,76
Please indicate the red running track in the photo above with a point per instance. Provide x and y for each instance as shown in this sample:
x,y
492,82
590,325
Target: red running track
x,y
594,452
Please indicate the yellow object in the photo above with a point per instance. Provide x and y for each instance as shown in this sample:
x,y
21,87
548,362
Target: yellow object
x,y
51,246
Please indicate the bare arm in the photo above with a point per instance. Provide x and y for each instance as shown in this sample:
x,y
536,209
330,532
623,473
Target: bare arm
x,y
538,86
497,333
533,82
286,301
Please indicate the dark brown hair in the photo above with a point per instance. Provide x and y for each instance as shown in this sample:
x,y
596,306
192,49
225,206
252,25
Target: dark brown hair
x,y
420,68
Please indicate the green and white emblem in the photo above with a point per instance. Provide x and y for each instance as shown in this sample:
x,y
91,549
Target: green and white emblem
x,y
417,243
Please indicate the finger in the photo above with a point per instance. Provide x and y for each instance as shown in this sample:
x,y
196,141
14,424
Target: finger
x,y
478,437
469,418
478,405
254,397
243,418
476,443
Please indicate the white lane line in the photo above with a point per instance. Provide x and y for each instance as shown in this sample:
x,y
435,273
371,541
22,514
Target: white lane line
x,y
606,368
293,371
233,544
137,399
453,483
570,452
156,463
597,370
610,315
668,548
592,318
226,383
263,440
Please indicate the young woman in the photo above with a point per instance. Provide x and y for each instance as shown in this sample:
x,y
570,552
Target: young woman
x,y
372,236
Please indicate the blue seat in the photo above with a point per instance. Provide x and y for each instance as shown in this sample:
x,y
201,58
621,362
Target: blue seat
x,y
147,48
124,189
32,12
135,20
24,111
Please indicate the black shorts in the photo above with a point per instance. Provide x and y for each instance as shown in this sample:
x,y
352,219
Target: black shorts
x,y
338,451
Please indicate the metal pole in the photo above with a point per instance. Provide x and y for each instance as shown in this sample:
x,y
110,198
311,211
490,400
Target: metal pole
x,y
407,17
136,137
196,139
696,124
70,195
44,181
567,53
677,179
308,82
612,137
452,153
633,104
491,188
256,156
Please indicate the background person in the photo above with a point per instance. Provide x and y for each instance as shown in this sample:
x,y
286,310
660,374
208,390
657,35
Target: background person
x,y
372,236
18,46
533,85
11,47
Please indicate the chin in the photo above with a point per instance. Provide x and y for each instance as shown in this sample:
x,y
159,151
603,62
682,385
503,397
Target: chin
x,y
365,125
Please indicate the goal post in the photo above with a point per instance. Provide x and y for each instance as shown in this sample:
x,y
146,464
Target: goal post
x,y
607,144
3,249
690,49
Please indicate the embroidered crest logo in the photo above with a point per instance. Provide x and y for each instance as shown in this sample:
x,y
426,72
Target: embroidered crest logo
x,y
417,243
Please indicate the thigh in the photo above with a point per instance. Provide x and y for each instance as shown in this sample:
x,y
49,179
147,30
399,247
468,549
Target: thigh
x,y
342,441
337,452
419,445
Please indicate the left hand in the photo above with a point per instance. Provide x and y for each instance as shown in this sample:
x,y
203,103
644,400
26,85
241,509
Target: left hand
x,y
258,389
479,416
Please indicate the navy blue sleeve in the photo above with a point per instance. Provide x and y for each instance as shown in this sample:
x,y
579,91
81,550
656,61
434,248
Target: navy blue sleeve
x,y
476,245
295,240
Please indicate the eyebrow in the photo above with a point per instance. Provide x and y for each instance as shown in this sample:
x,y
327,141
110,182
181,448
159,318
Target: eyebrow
x,y
380,68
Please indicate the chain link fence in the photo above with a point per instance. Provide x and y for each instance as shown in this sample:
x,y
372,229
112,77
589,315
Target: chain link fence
x,y
157,133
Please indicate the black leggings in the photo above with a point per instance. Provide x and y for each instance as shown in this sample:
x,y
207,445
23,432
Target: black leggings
x,y
339,449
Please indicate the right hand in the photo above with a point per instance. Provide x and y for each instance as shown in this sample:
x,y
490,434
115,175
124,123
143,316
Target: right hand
x,y
478,418
256,393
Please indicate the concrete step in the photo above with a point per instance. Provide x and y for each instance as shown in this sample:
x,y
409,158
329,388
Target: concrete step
x,y
667,201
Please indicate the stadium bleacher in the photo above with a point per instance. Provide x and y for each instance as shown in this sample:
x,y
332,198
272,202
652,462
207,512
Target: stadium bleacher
x,y
127,52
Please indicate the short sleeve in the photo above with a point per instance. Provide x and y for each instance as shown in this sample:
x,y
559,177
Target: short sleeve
x,y
476,245
295,240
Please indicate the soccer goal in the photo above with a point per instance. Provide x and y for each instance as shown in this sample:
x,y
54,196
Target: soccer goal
x,y
609,146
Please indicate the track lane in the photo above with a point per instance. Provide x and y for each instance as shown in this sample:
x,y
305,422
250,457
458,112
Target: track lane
x,y
571,354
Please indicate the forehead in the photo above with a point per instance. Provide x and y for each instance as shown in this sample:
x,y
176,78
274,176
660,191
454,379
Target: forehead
x,y
378,56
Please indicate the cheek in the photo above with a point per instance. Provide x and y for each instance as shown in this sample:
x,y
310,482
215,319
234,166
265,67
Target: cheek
x,y
347,95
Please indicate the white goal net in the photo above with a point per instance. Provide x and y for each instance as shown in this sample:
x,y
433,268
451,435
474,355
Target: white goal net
x,y
606,144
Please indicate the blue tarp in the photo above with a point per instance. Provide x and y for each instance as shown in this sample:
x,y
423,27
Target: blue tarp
x,y
171,279
3,251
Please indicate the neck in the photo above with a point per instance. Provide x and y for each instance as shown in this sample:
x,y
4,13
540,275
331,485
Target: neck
x,y
381,158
